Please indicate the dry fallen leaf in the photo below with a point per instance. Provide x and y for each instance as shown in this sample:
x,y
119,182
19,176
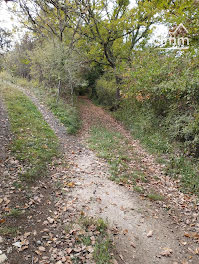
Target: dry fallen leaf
x,y
2,221
133,245
197,251
150,233
125,231
42,249
166,252
122,258
71,184
192,235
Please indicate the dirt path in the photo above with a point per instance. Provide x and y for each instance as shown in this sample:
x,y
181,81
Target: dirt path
x,y
184,208
143,232
4,132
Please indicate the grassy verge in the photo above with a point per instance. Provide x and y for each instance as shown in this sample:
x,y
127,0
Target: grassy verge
x,y
146,128
114,148
67,114
62,109
34,143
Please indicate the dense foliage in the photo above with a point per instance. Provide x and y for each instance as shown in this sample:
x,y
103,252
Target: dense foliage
x,y
165,87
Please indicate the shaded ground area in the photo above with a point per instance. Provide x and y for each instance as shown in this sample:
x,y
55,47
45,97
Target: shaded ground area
x,y
79,185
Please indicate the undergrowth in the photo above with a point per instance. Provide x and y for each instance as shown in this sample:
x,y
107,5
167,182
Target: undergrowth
x,y
148,129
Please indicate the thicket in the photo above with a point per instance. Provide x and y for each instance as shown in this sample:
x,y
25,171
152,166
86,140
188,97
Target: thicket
x,y
162,91
50,63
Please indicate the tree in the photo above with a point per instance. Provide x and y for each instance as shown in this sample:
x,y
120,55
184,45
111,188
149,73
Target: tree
x,y
110,30
45,18
106,30
17,61
5,40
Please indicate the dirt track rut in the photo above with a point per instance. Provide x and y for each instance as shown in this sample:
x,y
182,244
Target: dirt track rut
x,y
130,217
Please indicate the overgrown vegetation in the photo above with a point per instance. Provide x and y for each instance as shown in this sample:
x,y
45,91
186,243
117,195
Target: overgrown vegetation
x,y
160,107
34,143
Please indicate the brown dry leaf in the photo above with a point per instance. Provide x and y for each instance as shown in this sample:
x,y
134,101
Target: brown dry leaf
x,y
191,250
133,245
98,199
125,231
23,248
187,235
166,252
71,184
69,250
2,221
6,200
38,252
150,233
192,235
42,249
197,251
50,220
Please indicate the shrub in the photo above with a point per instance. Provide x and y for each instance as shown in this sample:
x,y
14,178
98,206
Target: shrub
x,y
105,90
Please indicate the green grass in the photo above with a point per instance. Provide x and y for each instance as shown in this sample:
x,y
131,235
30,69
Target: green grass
x,y
62,109
101,252
67,115
5,231
138,189
108,145
34,143
155,196
15,213
145,127
103,245
113,147
89,231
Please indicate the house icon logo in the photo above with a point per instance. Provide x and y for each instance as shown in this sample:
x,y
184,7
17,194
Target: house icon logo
x,y
178,31
176,39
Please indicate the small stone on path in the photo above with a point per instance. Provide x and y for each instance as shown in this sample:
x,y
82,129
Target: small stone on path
x,y
3,258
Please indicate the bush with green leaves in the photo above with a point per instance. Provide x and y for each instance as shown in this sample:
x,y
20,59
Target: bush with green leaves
x,y
55,65
163,90
105,90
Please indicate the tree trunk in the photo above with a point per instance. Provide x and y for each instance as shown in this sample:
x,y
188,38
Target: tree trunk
x,y
58,91
118,83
